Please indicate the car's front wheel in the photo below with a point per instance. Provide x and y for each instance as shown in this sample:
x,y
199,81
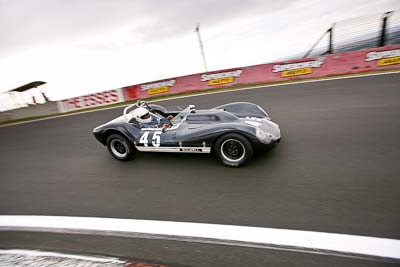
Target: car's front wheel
x,y
234,150
120,147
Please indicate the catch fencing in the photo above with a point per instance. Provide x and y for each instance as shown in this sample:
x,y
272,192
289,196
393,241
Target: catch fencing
x,y
357,33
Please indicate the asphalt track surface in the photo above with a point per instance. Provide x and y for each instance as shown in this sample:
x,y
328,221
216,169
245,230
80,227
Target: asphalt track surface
x,y
336,170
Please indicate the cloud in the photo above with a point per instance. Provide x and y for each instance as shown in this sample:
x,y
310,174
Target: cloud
x,y
26,23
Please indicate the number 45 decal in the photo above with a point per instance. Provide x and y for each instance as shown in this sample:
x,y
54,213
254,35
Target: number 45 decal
x,y
144,139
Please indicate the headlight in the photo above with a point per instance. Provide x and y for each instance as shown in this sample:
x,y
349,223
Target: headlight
x,y
264,137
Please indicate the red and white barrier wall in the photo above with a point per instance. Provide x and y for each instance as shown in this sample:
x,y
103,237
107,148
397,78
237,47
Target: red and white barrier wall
x,y
382,58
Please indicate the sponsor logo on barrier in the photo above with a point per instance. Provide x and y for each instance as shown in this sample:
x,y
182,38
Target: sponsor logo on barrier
x,y
158,87
100,98
295,69
86,101
384,58
221,77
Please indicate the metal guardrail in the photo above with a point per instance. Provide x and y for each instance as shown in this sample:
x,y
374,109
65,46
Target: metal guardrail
x,y
358,33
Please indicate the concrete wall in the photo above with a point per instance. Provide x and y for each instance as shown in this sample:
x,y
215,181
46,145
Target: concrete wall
x,y
32,111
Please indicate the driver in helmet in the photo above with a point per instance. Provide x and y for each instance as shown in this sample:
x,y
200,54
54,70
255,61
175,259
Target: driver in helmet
x,y
144,118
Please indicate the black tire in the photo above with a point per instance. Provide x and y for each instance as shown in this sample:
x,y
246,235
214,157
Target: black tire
x,y
234,150
120,147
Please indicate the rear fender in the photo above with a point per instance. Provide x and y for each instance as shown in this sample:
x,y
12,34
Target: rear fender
x,y
132,134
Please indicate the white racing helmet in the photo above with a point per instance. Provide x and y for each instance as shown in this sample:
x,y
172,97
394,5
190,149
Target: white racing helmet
x,y
141,115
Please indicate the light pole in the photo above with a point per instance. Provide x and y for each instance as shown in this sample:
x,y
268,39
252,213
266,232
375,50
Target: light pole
x,y
385,17
197,30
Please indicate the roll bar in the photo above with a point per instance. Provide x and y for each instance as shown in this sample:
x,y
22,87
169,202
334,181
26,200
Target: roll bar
x,y
138,104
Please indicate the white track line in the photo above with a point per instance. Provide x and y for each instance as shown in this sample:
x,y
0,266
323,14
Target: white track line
x,y
295,240
35,253
219,92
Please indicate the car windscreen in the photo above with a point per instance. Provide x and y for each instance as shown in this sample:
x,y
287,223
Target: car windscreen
x,y
180,117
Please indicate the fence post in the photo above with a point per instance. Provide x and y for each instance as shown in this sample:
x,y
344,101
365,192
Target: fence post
x,y
382,40
330,48
315,44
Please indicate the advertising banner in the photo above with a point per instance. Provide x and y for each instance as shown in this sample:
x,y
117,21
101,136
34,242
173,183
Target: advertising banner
x,y
183,84
92,100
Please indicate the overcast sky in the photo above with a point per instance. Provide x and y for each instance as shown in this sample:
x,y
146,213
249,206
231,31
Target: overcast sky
x,y
84,46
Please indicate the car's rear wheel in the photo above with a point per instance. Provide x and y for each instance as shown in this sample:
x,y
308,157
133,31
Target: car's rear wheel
x,y
234,150
120,147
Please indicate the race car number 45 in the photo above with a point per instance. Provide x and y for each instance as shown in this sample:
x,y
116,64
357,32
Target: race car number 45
x,y
144,139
